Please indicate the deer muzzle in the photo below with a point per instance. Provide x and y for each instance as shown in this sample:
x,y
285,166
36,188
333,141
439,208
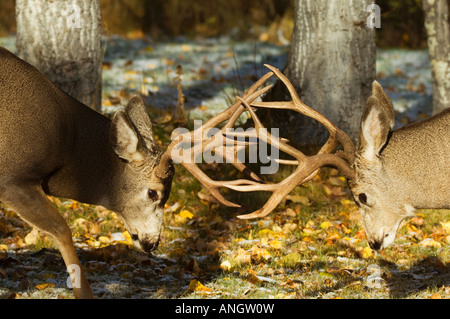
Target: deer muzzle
x,y
146,244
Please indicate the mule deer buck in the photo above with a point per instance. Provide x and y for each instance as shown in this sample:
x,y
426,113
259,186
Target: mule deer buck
x,y
52,144
390,172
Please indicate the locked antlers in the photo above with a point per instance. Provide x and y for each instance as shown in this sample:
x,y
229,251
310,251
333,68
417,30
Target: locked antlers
x,y
307,166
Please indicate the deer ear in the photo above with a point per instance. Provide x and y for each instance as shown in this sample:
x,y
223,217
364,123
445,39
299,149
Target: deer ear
x,y
377,122
124,139
137,114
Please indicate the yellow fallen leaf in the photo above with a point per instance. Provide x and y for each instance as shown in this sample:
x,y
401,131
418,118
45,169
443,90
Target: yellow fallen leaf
x,y
45,286
297,199
446,226
276,244
429,242
186,48
103,239
254,279
346,202
225,265
367,252
333,236
127,236
197,286
242,257
3,247
309,224
325,225
186,214
260,253
327,190
265,232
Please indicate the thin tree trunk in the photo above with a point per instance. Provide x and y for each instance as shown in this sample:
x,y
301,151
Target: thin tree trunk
x,y
62,39
437,25
331,64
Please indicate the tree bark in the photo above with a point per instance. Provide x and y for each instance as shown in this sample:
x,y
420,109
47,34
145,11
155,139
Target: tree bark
x,y
62,39
437,25
331,64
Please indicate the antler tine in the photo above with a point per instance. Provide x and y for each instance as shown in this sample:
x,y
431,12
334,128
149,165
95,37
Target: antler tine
x,y
231,115
308,166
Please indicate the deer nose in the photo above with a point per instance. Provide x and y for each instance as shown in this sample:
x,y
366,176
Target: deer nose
x,y
149,246
375,245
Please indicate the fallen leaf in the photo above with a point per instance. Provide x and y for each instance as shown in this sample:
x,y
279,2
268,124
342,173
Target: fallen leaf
x,y
225,265
309,224
367,252
446,226
186,48
429,242
186,214
242,257
197,286
103,239
45,286
346,202
163,119
275,244
259,254
254,279
266,233
325,225
295,284
297,199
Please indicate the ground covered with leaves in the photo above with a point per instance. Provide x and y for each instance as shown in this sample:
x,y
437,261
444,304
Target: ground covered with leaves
x,y
312,246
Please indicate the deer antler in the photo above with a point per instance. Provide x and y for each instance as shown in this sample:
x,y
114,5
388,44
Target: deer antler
x,y
231,115
307,166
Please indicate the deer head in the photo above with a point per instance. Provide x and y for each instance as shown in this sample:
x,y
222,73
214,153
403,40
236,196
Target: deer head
x,y
132,139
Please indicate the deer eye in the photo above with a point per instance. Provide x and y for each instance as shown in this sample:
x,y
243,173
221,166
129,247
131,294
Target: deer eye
x,y
153,195
362,198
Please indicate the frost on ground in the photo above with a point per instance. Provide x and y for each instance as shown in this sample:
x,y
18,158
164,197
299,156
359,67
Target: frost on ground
x,y
216,70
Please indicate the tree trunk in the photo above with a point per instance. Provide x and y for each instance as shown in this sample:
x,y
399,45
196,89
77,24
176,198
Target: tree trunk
x,y
437,25
331,64
62,39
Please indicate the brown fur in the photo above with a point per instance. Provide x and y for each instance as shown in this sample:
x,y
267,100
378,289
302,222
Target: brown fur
x,y
51,144
399,171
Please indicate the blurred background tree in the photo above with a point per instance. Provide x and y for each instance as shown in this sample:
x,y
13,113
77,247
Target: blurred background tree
x,y
331,64
437,25
63,40
267,20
